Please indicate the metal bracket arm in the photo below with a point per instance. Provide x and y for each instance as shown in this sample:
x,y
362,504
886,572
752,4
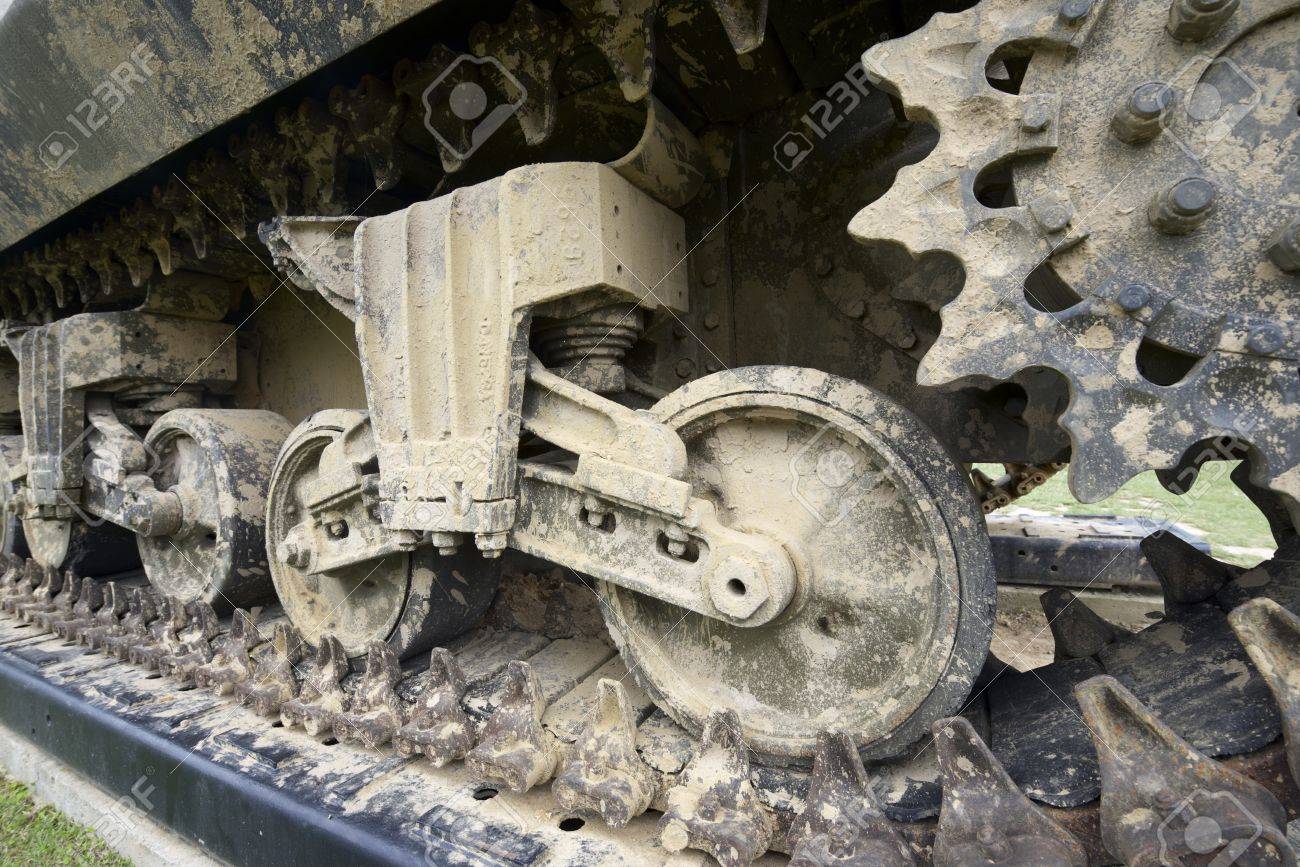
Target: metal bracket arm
x,y
741,578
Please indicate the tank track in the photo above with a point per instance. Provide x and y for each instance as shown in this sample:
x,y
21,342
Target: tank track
x,y
358,150
1091,758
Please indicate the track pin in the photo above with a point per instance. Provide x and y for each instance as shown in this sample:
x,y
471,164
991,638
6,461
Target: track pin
x,y
1163,800
321,698
230,663
375,714
439,728
603,775
842,823
272,682
516,750
1271,636
714,806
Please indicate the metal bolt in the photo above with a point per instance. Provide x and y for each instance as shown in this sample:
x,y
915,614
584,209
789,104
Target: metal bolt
x,y
1165,799
824,265
295,555
1054,217
994,843
856,308
1182,207
736,589
490,545
685,368
712,366
1194,20
676,540
1284,249
1265,339
446,543
679,331
1074,11
710,277
1036,115
712,321
337,529
1142,115
1134,297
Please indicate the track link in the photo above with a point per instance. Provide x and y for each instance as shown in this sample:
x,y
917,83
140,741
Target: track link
x,y
552,702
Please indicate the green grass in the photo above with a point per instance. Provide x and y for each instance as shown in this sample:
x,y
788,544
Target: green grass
x,y
1235,529
31,835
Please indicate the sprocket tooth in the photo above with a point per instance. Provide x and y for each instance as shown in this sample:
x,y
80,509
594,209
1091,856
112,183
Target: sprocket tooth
x,y
1162,799
141,612
714,806
842,823
1077,630
624,32
376,712
272,682
745,22
230,663
985,817
321,698
374,114
60,607
604,775
108,620
201,627
1271,636
528,45
162,638
516,750
82,616
1187,575
439,728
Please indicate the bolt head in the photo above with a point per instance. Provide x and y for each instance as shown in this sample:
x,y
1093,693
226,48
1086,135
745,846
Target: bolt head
x,y
1191,196
1074,11
824,265
1265,339
1037,116
1134,297
1284,249
712,321
685,368
1150,100
736,588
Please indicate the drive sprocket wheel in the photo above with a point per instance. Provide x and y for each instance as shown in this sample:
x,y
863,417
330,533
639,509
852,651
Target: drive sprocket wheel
x,y
1149,250
891,619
